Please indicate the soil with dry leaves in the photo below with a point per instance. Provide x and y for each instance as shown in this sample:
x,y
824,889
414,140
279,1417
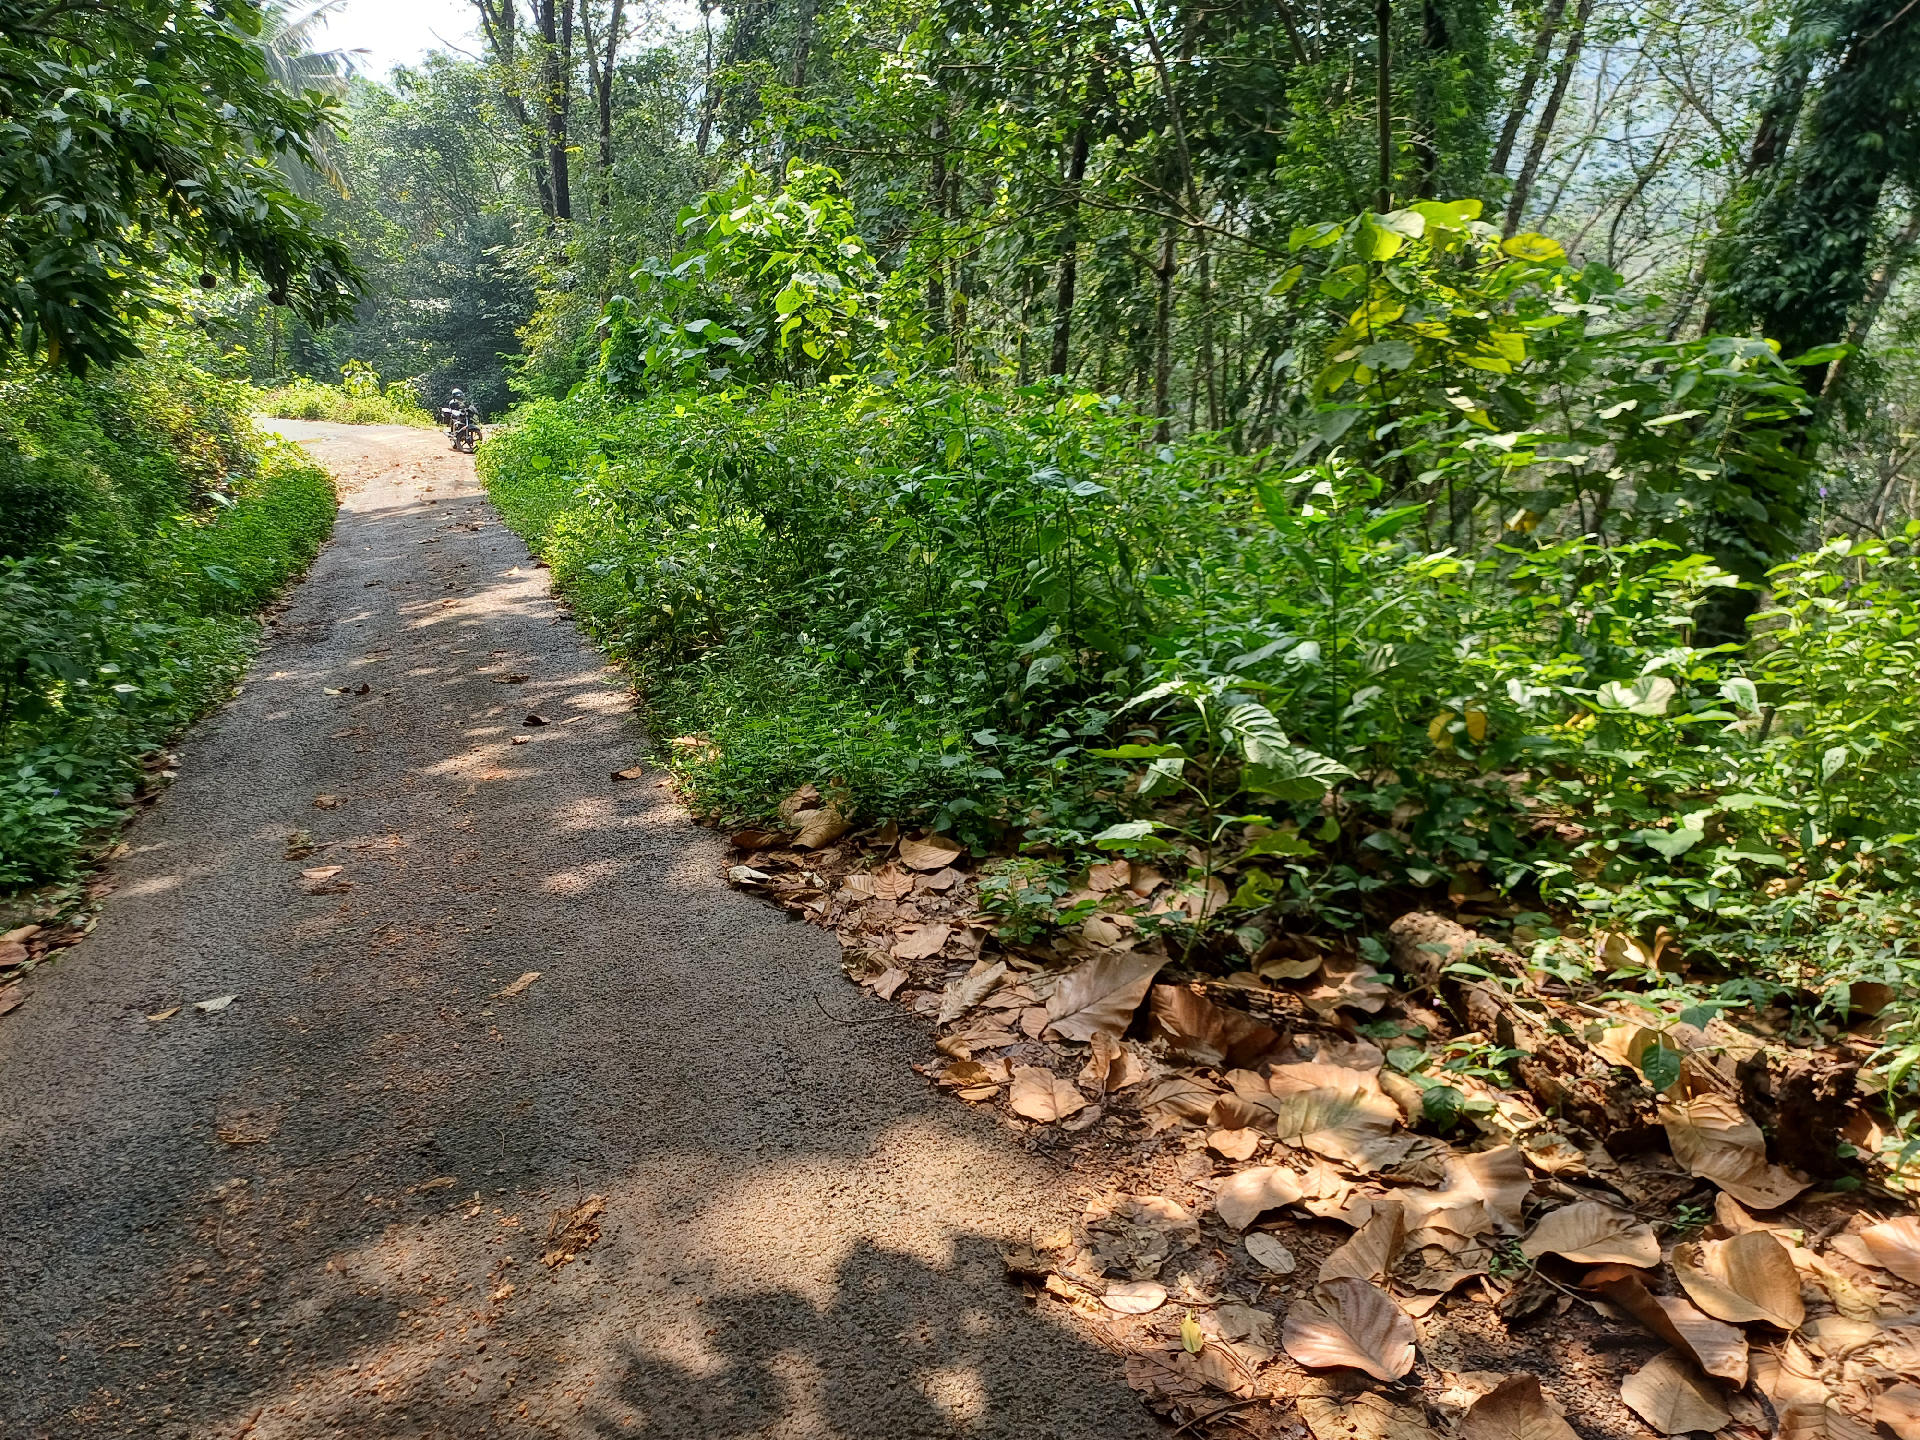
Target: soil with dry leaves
x,y
1599,1243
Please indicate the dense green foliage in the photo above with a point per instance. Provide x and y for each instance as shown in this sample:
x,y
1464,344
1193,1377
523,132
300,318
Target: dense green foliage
x,y
359,399
141,141
141,525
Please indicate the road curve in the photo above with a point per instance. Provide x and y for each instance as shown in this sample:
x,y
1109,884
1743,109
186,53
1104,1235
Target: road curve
x,y
321,1210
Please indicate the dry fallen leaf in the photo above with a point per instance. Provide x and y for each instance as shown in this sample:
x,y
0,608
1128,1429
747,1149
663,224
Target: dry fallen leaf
x,y
1715,1140
1895,1245
962,995
1898,1409
1134,1297
1099,997
1673,1397
1593,1234
573,1231
756,839
633,772
326,802
1717,1348
1348,1322
1200,1032
1363,1417
164,1015
1270,1252
888,982
215,1005
891,883
935,852
1497,1178
1748,1278
1336,1112
1515,1409
922,942
821,827
1369,1253
519,985
12,997
1234,1144
1041,1095
1245,1197
1178,1099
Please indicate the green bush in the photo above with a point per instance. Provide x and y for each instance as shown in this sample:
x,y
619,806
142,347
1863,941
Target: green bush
x,y
359,399
159,524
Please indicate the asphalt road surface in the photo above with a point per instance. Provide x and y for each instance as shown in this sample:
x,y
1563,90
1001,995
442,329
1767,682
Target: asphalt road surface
x,y
322,1209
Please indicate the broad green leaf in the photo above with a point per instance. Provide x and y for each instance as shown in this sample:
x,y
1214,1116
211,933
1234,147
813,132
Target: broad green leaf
x,y
1530,246
1649,695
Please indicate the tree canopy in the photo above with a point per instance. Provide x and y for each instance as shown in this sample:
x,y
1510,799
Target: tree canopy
x,y
143,144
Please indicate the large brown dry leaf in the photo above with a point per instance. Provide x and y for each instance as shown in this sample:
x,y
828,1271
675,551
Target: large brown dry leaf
x,y
1363,1417
1200,1032
888,982
1041,1095
1673,1397
1483,1193
1715,1140
1099,997
1899,1410
890,882
1371,1250
1178,1099
1748,1278
1333,1111
1719,1349
1346,1321
1515,1409
1110,1065
1593,1234
1351,985
936,852
962,995
1895,1245
1250,1194
820,827
1234,1144
922,942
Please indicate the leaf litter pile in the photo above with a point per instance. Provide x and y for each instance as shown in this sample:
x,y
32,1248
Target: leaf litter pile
x,y
1304,1227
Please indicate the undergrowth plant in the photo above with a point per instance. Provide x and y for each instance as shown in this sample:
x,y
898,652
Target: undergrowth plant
x,y
161,524
1464,637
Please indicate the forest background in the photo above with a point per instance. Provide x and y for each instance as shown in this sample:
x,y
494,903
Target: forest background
x,y
1350,456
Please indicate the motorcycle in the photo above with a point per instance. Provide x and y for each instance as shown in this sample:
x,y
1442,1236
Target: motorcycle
x,y
463,427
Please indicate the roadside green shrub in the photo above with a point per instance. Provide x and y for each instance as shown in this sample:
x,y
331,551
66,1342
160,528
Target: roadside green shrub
x,y
160,524
359,399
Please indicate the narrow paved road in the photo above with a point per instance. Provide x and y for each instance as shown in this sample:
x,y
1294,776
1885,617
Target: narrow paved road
x,y
321,1210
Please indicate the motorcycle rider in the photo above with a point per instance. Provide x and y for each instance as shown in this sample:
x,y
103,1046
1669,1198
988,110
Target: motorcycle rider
x,y
463,421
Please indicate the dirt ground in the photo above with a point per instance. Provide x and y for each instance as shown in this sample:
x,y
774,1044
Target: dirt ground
x,y
321,1208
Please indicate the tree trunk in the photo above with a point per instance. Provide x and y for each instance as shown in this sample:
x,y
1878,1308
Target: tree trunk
x,y
1383,101
1069,258
556,97
499,22
1163,330
1529,80
936,274
1549,117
